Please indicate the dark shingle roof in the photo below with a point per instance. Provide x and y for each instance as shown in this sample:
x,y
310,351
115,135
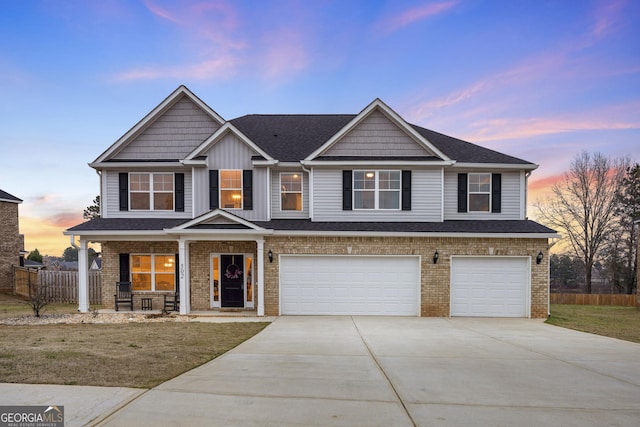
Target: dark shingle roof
x,y
463,226
128,224
293,137
6,196
466,152
470,226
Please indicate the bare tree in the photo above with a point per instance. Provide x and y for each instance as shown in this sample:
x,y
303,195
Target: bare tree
x,y
583,204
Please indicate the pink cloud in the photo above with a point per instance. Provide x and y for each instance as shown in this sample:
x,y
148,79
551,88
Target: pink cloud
x,y
215,69
284,54
617,117
607,16
415,14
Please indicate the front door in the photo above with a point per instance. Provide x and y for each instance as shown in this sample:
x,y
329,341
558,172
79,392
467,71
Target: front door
x,y
232,280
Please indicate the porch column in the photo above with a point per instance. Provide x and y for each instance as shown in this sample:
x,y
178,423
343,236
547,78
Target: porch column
x,y
83,278
185,297
260,282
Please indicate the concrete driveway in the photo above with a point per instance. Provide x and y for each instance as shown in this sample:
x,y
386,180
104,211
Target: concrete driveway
x,y
373,371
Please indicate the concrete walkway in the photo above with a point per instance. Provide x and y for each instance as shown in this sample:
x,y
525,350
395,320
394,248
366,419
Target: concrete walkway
x,y
373,371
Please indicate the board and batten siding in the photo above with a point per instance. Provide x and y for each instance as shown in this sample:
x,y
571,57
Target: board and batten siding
x,y
173,135
376,135
232,153
425,198
276,212
511,197
111,204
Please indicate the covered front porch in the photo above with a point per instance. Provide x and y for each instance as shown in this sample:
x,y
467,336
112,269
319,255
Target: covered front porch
x,y
213,264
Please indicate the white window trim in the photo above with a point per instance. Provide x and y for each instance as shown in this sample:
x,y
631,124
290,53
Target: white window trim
x,y
293,192
151,191
220,189
469,192
376,190
153,271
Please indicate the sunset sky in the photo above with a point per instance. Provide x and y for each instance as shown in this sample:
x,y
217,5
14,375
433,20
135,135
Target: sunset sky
x,y
540,80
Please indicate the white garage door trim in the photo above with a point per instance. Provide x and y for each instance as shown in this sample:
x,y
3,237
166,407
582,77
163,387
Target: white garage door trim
x,y
367,292
519,272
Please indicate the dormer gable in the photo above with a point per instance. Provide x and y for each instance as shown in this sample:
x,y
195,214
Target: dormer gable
x,y
216,219
378,132
169,132
198,155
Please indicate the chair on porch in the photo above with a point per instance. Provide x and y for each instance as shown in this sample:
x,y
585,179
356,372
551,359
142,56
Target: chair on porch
x,y
172,302
124,295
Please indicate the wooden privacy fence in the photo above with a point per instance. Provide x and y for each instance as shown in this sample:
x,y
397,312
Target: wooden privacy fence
x,y
59,286
595,299
24,278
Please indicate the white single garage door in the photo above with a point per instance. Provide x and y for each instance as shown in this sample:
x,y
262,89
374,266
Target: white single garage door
x,y
349,285
490,286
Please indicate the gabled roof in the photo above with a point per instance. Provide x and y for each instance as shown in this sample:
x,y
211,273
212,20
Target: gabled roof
x,y
157,112
218,135
6,197
378,105
293,137
210,220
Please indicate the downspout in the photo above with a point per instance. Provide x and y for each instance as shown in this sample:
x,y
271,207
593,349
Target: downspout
x,y
549,277
526,192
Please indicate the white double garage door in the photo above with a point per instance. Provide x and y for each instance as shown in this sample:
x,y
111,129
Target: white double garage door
x,y
390,285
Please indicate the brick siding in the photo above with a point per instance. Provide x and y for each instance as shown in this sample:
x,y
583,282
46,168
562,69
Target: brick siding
x,y
435,278
9,244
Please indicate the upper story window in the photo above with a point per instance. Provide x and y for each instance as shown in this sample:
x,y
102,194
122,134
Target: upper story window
x,y
376,190
153,272
290,191
479,192
151,191
231,189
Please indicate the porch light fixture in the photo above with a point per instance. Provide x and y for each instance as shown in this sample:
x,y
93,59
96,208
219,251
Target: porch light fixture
x,y
270,255
435,257
539,257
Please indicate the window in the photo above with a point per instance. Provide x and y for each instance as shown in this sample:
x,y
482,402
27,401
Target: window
x,y
479,192
153,272
151,191
290,191
376,190
231,189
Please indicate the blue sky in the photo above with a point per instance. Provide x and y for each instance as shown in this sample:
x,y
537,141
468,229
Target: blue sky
x,y
540,80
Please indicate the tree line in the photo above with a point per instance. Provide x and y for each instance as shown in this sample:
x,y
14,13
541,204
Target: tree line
x,y
594,207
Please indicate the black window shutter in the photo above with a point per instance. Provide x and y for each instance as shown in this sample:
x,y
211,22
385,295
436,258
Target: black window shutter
x,y
347,178
179,186
406,190
124,267
462,192
124,191
213,189
496,192
247,190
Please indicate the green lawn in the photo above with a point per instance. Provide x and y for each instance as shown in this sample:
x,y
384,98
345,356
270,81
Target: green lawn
x,y
610,321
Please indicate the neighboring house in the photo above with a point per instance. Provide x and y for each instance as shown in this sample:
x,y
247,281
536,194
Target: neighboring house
x,y
33,264
96,264
314,214
10,241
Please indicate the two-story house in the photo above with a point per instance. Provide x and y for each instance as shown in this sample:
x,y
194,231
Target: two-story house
x,y
10,239
314,214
